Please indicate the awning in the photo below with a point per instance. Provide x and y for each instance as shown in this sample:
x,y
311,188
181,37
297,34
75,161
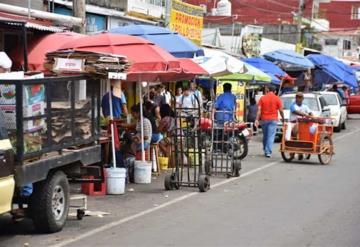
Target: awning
x,y
333,70
289,60
174,43
267,67
16,20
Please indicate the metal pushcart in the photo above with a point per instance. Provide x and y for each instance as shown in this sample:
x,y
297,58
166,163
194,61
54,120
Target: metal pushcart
x,y
223,155
188,152
314,138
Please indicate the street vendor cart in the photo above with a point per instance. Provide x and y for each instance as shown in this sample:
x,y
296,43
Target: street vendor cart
x,y
314,137
53,137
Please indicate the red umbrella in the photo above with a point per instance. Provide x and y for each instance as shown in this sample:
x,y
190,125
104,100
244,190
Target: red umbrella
x,y
148,61
38,48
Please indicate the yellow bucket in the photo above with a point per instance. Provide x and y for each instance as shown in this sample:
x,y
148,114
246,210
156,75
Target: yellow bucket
x,y
164,163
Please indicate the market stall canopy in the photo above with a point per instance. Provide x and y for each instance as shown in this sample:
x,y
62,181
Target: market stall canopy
x,y
332,70
218,63
39,47
174,43
289,60
267,67
148,61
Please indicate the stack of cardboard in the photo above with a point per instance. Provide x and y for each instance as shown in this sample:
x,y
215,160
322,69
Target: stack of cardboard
x,y
69,61
61,121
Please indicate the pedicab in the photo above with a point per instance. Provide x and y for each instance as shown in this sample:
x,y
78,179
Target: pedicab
x,y
314,137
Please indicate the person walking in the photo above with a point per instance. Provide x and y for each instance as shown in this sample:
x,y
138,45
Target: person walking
x,y
268,107
225,106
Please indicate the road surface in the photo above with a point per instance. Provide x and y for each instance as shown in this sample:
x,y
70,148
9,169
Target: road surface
x,y
272,204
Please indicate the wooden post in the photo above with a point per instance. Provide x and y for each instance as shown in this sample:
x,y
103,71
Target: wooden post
x,y
79,9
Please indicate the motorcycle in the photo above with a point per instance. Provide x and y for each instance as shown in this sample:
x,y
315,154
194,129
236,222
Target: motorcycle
x,y
239,138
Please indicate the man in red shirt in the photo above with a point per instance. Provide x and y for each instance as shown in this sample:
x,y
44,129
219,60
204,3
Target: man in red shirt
x,y
268,107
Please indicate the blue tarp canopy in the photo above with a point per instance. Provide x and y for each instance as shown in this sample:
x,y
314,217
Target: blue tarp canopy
x,y
332,70
267,67
289,60
174,43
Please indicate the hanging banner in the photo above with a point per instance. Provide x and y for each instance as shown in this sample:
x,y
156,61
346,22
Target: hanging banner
x,y
238,89
187,20
251,40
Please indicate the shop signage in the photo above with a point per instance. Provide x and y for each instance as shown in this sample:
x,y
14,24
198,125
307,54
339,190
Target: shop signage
x,y
237,88
187,20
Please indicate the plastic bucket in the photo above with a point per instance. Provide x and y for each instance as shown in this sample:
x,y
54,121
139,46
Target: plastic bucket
x,y
142,172
115,181
164,163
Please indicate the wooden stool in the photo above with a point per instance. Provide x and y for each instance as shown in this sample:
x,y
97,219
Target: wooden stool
x,y
154,157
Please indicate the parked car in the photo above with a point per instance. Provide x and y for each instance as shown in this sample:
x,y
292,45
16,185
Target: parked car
x,y
314,101
338,110
353,105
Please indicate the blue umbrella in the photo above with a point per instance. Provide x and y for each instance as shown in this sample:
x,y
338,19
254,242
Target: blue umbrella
x,y
289,60
174,43
267,67
332,70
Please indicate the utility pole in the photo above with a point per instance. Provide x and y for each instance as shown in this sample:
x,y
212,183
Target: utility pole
x,y
79,9
167,12
299,19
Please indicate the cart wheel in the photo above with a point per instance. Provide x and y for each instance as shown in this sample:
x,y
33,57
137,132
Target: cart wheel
x,y
236,168
80,213
327,144
170,182
208,167
287,158
204,183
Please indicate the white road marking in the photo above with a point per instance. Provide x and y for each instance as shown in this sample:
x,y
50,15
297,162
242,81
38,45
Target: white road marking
x,y
176,200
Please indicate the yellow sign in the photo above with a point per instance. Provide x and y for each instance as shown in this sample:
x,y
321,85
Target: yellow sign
x,y
238,89
187,20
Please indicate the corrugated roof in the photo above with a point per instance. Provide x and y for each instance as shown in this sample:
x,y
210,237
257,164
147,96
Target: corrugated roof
x,y
17,20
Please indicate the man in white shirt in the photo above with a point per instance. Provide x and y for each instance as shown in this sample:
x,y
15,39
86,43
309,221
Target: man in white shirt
x,y
194,90
298,110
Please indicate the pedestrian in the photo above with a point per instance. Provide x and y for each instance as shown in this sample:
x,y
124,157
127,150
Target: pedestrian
x,y
308,81
187,100
179,93
118,99
268,108
338,90
251,113
159,98
150,113
346,93
136,145
166,94
195,91
225,105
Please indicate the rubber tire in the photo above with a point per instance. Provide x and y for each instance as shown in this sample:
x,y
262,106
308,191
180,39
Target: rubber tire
x,y
278,138
41,205
321,160
170,182
338,128
204,183
236,168
245,144
80,213
286,159
208,167
343,125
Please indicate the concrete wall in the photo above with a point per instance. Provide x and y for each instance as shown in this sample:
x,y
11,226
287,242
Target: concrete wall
x,y
338,13
338,50
283,33
117,4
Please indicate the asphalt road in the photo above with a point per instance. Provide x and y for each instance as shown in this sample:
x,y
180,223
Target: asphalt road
x,y
272,204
